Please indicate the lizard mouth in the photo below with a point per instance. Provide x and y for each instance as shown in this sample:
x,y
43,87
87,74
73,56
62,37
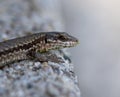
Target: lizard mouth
x,y
61,45
71,43
68,44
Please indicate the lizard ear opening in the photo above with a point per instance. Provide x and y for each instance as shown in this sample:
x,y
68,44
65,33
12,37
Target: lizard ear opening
x,y
48,38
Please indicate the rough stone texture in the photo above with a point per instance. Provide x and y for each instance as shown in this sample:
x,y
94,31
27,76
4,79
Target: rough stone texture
x,y
28,78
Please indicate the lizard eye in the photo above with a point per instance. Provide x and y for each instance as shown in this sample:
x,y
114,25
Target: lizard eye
x,y
61,37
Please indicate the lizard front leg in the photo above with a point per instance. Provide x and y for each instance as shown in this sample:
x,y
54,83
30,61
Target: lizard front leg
x,y
45,57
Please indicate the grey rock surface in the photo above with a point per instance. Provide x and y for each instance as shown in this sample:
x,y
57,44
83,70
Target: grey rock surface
x,y
29,78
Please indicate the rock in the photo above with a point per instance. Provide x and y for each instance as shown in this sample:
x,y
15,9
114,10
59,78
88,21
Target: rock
x,y
29,78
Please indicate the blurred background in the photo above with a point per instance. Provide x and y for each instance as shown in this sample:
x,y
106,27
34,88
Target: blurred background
x,y
96,23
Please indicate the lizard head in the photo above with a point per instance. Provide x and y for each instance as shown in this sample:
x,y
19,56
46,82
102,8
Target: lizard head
x,y
58,40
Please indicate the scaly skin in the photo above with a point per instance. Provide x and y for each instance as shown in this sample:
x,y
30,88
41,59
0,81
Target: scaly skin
x,y
21,48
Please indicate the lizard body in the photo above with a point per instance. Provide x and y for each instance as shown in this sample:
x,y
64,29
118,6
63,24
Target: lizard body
x,y
23,47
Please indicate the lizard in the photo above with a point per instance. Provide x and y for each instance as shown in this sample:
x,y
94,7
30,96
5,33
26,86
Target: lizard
x,y
36,45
